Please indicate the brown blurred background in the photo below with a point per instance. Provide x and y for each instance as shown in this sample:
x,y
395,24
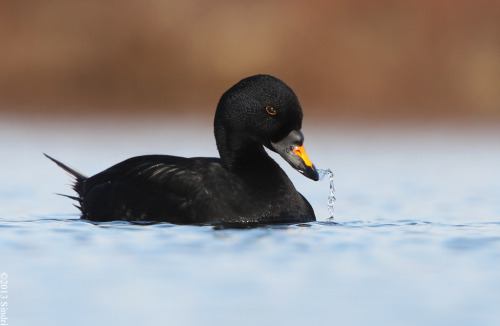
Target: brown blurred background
x,y
352,59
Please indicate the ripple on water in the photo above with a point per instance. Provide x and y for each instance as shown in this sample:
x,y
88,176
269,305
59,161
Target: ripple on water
x,y
335,262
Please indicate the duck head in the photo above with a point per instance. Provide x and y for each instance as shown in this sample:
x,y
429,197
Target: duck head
x,y
262,110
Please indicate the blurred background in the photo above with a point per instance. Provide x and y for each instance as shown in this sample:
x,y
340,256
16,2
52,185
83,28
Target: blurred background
x,y
401,101
362,60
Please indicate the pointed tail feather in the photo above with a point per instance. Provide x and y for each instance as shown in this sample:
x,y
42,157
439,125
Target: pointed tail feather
x,y
79,176
70,197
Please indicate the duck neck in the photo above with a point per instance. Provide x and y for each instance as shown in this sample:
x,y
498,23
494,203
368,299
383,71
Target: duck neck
x,y
241,154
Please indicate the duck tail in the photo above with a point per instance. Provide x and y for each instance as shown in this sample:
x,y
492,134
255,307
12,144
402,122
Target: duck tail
x,y
78,175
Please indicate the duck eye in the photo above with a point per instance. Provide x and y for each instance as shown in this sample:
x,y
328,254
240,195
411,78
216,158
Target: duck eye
x,y
271,110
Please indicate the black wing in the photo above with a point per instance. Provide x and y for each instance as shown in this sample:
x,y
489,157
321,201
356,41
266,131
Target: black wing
x,y
156,188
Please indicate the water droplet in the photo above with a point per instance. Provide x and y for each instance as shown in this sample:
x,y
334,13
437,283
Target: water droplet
x,y
331,196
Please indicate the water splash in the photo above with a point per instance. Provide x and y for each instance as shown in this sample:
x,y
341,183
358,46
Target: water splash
x,y
331,196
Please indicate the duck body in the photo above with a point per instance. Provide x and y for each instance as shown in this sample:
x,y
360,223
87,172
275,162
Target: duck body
x,y
244,186
188,191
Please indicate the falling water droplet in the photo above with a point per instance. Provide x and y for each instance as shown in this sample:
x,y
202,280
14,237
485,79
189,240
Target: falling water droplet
x,y
331,196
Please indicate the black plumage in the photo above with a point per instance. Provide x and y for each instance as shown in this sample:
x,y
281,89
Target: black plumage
x,y
244,186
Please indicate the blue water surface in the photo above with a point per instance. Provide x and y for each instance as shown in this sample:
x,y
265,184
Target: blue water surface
x,y
416,237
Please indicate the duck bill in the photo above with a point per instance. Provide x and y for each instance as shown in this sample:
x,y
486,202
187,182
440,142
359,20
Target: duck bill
x,y
291,148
